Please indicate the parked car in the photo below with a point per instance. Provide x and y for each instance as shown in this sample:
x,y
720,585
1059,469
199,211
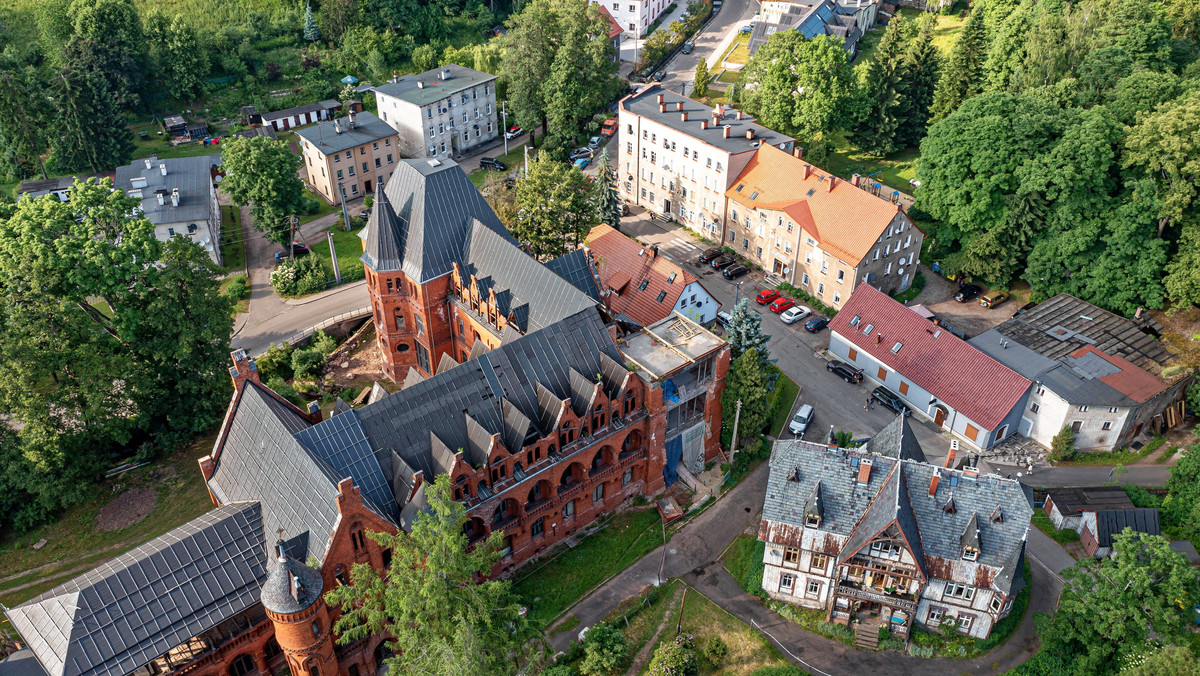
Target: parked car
x,y
993,299
967,292
580,152
794,314
688,47
721,262
845,371
766,296
492,163
716,6
891,400
800,421
582,163
782,303
513,132
659,75
747,29
816,324
594,142
735,271
724,319
299,250
609,127
710,254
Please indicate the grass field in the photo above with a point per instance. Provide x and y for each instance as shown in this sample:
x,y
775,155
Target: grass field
x,y
548,589
944,35
787,396
744,561
514,160
1044,524
74,545
349,250
323,209
233,247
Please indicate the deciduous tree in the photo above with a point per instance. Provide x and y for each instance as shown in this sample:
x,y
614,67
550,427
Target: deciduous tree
x,y
179,62
800,86
107,38
1166,146
261,172
442,620
555,208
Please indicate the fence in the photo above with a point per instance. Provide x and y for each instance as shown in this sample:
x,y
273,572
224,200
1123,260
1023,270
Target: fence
x,y
305,334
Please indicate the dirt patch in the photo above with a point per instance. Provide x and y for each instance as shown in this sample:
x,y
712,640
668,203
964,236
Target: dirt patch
x,y
127,509
360,366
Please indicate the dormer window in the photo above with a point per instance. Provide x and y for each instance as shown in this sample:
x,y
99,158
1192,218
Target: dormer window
x,y
812,521
867,331
970,554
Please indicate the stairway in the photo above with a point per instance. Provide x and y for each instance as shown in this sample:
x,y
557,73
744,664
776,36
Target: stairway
x,y
866,636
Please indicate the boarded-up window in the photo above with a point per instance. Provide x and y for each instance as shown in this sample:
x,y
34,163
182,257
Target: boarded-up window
x,y
972,432
853,354
882,373
903,387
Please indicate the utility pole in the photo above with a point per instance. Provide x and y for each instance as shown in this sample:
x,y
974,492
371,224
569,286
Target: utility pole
x,y
737,416
337,273
345,211
527,155
504,127
292,237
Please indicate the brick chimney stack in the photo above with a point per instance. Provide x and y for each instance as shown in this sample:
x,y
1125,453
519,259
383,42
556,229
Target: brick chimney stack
x,y
855,180
662,108
832,180
683,117
798,153
703,124
243,369
660,99
807,171
725,129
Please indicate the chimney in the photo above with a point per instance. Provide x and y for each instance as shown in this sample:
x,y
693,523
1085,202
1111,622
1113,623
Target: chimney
x,y
243,369
683,117
739,114
832,180
660,99
798,153
662,108
864,472
855,179
933,484
163,168
726,130
807,171
337,126
162,198
653,251
445,73
351,116
749,132
703,124
970,472
174,197
149,163
952,454
678,105
1138,314
420,84
878,338
314,412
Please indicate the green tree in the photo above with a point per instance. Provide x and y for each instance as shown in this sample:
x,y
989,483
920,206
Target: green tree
x,y
609,205
1169,660
442,620
425,58
747,381
262,172
882,83
962,75
311,32
745,332
700,83
1111,607
107,38
673,658
175,51
799,86
1062,446
555,208
335,17
1182,283
527,55
1165,145
25,116
89,130
604,650
1006,48
920,70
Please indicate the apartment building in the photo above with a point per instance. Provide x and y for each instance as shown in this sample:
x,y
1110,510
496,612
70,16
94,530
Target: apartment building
x,y
634,16
442,112
179,196
678,157
357,152
816,231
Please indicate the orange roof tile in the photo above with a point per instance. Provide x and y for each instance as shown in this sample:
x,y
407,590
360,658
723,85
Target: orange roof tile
x,y
622,262
846,221
1132,381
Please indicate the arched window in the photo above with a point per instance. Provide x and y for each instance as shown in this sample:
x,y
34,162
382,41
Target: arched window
x,y
316,627
271,649
242,665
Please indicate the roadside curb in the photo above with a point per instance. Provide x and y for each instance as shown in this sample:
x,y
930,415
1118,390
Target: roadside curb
x,y
296,302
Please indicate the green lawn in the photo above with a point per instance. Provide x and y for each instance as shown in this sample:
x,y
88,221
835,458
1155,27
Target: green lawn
x,y
894,171
73,543
944,35
157,145
728,76
515,159
323,209
1122,457
1046,526
349,250
744,561
548,589
742,43
788,390
233,247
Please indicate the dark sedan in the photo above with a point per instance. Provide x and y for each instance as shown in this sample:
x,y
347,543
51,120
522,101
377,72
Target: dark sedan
x,y
493,164
816,324
721,262
735,271
967,292
710,254
845,371
890,399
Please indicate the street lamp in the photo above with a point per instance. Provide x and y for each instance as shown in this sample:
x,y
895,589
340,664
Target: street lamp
x,y
737,292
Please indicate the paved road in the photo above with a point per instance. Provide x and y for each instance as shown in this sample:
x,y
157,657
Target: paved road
x,y
681,70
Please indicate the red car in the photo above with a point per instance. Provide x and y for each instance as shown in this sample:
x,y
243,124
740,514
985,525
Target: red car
x,y
781,304
766,296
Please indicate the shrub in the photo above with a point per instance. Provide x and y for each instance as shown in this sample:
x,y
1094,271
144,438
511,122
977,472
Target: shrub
x,y
924,651
1141,497
604,650
712,653
573,652
838,632
307,363
559,670
674,658
309,205
238,289
276,362
286,391
1062,446
323,342
299,277
779,670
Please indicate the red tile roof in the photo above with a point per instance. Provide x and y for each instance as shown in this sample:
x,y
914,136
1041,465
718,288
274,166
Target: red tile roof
x,y
955,372
614,28
623,265
1132,381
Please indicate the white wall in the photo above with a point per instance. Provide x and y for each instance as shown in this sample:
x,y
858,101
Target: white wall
x,y
412,122
701,310
1054,413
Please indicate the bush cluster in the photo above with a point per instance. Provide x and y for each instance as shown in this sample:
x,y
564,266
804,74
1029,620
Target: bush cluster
x,y
300,277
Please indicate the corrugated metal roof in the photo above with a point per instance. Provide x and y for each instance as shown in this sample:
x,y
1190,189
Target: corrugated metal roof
x,y
1113,521
574,268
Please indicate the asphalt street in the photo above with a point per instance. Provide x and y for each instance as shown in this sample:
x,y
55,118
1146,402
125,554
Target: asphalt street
x,y
681,71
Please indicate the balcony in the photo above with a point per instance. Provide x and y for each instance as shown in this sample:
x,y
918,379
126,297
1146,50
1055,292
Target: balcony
x,y
873,596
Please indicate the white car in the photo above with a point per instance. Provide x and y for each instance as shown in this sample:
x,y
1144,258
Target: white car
x,y
801,420
794,314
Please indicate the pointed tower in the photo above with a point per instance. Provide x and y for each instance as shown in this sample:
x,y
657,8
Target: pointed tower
x,y
292,598
383,258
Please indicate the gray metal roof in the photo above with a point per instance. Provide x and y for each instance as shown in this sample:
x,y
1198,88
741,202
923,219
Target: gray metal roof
x,y
133,609
366,129
1112,521
645,103
21,663
797,466
574,268
341,444
435,87
1071,501
191,175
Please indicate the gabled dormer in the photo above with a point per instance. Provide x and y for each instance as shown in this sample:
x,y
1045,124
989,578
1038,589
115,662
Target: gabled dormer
x,y
813,511
968,542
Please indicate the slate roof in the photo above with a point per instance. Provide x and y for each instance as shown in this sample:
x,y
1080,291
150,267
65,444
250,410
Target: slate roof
x,y
129,611
624,265
846,221
435,87
898,493
367,128
291,586
896,440
574,268
23,663
1110,522
645,104
936,360
191,175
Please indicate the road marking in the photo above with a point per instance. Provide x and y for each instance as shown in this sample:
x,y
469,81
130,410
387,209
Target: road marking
x,y
687,245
